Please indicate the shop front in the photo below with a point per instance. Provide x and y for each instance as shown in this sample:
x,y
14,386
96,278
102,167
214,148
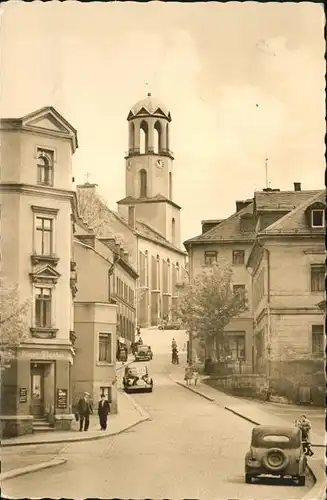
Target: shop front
x,y
37,386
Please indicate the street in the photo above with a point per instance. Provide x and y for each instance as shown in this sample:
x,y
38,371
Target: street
x,y
190,448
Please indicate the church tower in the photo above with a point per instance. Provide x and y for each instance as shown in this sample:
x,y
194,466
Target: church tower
x,y
149,170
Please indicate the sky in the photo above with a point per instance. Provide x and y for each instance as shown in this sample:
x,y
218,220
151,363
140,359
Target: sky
x,y
243,82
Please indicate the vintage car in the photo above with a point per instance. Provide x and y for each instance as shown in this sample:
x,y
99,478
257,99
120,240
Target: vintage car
x,y
276,451
136,378
143,353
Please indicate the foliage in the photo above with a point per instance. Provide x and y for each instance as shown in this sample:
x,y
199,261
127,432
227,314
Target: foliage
x,y
96,214
13,325
208,304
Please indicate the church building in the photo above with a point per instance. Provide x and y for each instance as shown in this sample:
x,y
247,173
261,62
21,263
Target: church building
x,y
148,218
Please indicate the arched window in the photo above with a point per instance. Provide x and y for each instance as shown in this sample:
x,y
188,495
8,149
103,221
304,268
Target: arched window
x,y
143,183
131,136
157,146
167,136
144,137
173,230
170,186
45,168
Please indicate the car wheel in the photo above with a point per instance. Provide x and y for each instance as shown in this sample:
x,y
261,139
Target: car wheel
x,y
301,481
275,460
248,478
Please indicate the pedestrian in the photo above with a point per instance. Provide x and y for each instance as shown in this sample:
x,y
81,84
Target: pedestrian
x,y
305,425
84,410
103,411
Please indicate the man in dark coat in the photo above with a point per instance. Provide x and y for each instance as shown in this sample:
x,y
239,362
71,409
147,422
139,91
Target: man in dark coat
x,y
84,410
103,410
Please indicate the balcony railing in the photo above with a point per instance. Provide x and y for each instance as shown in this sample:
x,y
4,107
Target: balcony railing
x,y
161,151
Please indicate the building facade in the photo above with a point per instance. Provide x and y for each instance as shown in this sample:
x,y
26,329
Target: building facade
x,y
104,312
37,209
148,220
229,240
287,264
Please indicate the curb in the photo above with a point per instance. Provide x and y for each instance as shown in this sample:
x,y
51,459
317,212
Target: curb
x,y
193,390
317,492
32,468
124,365
142,412
79,440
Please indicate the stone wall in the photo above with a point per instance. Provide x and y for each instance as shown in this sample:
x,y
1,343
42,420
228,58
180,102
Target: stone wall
x,y
15,426
240,385
289,377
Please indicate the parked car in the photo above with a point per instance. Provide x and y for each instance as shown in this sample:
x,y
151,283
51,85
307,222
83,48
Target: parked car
x,y
137,379
169,326
143,353
276,451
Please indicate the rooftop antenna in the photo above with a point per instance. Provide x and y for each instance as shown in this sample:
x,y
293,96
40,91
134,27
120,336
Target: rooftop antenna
x,y
266,168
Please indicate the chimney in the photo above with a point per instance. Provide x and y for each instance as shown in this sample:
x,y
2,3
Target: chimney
x,y
121,252
126,255
297,186
117,249
131,216
240,204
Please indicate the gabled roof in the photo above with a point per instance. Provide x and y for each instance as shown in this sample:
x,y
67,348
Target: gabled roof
x,y
228,230
295,221
44,120
278,200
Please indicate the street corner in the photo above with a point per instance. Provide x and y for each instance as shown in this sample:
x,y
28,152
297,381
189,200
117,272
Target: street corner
x,y
21,471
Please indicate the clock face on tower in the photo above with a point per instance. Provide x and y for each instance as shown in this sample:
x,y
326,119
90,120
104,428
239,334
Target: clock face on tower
x,y
160,163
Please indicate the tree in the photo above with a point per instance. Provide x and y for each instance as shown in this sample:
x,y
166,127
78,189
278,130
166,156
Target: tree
x,y
13,325
97,215
208,304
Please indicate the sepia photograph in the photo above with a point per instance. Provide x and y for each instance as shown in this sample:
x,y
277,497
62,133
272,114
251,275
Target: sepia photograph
x,y
162,250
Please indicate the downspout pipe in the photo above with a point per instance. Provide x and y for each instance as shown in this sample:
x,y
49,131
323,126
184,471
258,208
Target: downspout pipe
x,y
190,333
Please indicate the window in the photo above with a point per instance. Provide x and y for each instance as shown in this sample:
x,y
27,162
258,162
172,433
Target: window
x,y
105,348
45,167
144,138
143,183
317,339
210,258
44,236
240,290
43,308
317,218
317,278
234,346
238,257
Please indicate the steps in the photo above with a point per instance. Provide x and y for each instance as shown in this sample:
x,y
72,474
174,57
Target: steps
x,y
41,425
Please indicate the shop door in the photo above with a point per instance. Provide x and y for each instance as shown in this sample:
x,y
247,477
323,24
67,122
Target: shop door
x,y
37,392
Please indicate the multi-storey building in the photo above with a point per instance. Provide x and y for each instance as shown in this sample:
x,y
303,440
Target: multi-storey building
x,y
104,309
148,220
287,264
229,240
37,207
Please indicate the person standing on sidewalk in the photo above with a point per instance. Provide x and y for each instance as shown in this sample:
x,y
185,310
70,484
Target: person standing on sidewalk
x,y
84,409
103,411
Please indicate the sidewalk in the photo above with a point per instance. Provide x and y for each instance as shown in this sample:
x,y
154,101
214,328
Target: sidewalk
x,y
16,461
258,414
25,454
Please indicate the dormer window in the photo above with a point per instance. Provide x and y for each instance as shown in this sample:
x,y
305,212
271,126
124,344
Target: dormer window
x,y
45,167
317,217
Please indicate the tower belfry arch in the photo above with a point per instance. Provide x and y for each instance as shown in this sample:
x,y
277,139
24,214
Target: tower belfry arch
x,y
149,168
